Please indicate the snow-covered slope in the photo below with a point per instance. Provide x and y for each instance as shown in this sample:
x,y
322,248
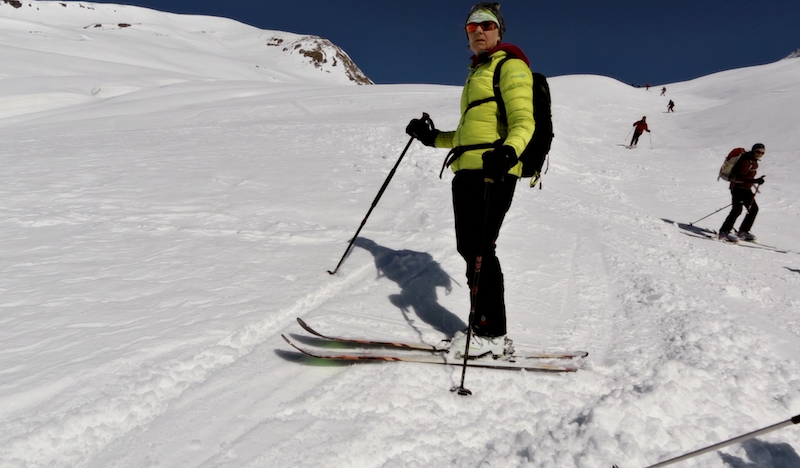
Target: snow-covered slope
x,y
126,47
158,235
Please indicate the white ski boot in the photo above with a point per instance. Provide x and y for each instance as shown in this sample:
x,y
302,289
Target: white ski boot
x,y
480,346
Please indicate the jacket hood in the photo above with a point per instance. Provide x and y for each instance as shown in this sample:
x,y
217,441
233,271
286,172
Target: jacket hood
x,y
510,49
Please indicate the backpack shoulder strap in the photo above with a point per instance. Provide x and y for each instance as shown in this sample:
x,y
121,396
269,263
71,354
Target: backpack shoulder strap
x,y
501,106
498,97
479,102
456,152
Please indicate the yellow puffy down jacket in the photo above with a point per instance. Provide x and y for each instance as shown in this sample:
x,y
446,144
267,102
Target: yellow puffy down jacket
x,y
481,123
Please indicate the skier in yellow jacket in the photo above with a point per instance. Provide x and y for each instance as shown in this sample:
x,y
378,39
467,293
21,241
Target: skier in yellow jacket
x,y
484,158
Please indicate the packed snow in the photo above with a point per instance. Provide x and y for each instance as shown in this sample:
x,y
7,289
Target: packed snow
x,y
167,210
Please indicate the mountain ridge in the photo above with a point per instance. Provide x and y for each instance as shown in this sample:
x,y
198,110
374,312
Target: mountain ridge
x,y
240,48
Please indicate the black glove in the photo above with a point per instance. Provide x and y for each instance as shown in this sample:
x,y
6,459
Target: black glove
x,y
759,181
498,161
423,130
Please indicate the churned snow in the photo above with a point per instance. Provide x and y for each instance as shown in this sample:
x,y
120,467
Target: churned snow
x,y
167,209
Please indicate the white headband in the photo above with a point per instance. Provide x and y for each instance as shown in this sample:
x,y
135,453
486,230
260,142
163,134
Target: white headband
x,y
479,16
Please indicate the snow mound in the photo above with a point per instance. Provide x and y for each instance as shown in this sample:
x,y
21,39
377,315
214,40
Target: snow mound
x,y
126,40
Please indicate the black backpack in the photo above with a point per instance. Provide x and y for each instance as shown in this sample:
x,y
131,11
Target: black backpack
x,y
535,154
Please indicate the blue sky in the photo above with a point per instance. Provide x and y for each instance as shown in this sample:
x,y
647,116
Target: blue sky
x,y
422,41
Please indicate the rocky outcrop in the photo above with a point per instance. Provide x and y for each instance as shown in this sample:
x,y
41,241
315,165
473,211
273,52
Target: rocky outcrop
x,y
322,54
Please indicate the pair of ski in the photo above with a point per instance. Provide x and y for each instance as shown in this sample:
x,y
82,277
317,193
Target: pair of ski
x,y
742,243
705,233
430,354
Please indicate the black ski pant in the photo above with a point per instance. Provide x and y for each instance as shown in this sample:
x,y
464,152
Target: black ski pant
x,y
469,188
635,139
742,198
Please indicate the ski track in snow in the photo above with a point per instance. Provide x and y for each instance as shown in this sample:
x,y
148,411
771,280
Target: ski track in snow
x,y
160,230
136,394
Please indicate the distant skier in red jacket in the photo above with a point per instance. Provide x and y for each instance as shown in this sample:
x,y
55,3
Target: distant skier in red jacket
x,y
640,127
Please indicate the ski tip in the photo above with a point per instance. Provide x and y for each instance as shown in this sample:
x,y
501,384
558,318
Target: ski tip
x,y
308,328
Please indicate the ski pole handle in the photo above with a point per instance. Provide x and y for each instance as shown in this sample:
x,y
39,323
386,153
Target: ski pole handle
x,y
426,119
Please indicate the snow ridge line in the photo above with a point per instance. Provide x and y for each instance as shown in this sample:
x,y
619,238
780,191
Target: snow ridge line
x,y
140,393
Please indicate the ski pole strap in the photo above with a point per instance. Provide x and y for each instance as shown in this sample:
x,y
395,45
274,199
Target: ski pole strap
x,y
456,153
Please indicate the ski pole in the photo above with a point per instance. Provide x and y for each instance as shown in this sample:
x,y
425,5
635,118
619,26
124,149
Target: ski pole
x,y
425,117
476,276
651,139
758,187
711,448
629,134
726,206
704,217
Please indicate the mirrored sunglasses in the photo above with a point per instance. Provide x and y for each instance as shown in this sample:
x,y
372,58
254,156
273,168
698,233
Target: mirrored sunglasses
x,y
485,25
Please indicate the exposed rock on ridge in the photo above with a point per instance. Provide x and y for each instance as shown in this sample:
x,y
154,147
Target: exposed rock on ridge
x,y
322,54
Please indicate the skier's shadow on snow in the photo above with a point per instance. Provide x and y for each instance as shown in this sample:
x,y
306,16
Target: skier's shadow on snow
x,y
418,276
764,455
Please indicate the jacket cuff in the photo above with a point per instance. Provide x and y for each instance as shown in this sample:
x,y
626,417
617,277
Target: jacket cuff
x,y
444,140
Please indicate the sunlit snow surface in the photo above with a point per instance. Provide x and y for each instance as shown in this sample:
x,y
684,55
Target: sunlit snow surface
x,y
167,209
